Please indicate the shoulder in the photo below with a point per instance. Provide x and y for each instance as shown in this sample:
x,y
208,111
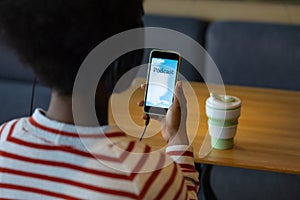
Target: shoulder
x,y
8,128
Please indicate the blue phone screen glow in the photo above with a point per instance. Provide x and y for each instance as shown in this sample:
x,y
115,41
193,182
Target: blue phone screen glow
x,y
162,78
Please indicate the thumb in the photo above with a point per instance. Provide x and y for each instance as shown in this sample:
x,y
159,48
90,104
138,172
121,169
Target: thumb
x,y
179,95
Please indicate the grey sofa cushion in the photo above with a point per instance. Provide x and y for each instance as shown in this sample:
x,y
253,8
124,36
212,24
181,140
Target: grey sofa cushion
x,y
194,28
256,54
15,99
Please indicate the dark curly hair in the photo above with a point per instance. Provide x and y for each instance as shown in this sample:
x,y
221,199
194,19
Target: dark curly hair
x,y
53,37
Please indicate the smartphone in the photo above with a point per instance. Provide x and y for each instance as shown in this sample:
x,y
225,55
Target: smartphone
x,y
162,75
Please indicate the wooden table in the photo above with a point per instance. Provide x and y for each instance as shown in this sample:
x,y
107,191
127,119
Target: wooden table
x,y
268,136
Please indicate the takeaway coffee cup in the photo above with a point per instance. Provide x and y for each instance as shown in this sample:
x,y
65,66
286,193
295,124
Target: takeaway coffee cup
x,y
223,112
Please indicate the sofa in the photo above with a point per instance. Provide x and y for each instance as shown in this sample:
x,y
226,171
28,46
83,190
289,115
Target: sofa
x,y
255,54
251,54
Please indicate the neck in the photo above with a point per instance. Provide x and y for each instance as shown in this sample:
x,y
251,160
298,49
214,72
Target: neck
x,y
60,109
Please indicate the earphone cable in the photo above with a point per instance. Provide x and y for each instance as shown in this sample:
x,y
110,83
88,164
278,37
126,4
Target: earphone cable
x,y
146,125
32,95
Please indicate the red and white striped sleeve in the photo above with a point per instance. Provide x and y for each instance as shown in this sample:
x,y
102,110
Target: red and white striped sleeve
x,y
183,155
176,178
167,179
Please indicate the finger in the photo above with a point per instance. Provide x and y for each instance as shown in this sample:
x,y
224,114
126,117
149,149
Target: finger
x,y
179,98
143,86
144,116
179,89
140,103
177,94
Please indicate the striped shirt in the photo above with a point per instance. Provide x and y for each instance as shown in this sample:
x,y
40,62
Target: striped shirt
x,y
45,159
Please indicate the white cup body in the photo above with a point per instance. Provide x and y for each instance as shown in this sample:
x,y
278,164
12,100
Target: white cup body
x,y
222,132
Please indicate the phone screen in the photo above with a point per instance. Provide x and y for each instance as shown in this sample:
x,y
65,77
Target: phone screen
x,y
162,78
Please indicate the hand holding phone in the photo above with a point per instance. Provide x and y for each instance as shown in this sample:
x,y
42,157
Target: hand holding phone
x,y
159,100
173,125
161,79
